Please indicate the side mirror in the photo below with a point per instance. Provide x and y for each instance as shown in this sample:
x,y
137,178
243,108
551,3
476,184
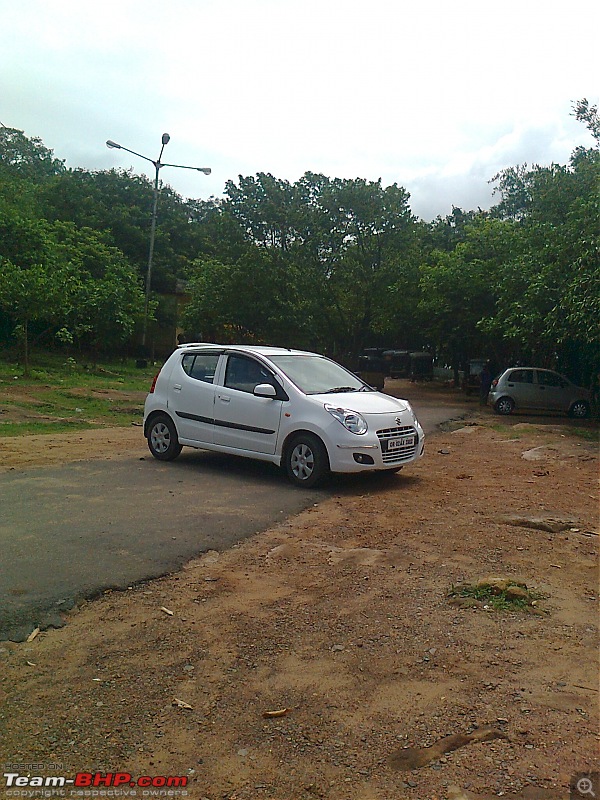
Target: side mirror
x,y
265,390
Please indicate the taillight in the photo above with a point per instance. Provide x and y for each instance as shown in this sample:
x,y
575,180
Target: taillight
x,y
154,382
494,382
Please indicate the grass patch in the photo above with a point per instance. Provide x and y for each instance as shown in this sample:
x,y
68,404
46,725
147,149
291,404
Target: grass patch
x,y
63,395
589,434
51,426
501,594
506,430
56,370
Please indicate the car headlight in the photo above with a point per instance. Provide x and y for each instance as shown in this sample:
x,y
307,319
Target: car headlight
x,y
409,408
349,419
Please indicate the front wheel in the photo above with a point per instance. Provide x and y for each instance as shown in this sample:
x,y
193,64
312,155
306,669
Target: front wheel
x,y
162,439
306,462
580,410
504,406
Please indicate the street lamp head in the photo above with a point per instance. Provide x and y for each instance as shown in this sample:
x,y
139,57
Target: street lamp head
x,y
205,170
110,143
165,138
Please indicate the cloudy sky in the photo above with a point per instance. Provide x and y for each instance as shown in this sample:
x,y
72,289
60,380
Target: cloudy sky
x,y
434,96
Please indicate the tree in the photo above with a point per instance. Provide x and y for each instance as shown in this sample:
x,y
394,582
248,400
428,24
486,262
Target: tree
x,y
458,289
547,297
106,295
32,293
328,252
584,112
119,203
63,277
27,158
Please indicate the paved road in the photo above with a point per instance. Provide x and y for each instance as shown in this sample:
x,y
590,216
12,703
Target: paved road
x,y
70,532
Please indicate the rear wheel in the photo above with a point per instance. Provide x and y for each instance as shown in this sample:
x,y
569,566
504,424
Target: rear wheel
x,y
162,438
505,405
306,462
580,410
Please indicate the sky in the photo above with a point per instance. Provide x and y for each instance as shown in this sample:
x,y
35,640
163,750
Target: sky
x,y
434,96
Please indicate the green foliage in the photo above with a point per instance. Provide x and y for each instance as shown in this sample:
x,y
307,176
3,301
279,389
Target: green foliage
x,y
500,595
325,263
548,296
27,158
118,204
317,264
584,112
30,294
69,279
459,288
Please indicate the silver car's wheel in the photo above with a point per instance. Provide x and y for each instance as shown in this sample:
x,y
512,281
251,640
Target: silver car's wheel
x,y
306,461
162,439
505,405
580,410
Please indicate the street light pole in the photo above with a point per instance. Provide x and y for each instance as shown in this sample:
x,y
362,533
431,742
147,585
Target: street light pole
x,y
158,165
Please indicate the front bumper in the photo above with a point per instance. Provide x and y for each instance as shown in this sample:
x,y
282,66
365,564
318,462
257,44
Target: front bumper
x,y
380,449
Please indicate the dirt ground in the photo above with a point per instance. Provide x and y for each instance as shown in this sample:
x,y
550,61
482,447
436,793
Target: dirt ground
x,y
340,621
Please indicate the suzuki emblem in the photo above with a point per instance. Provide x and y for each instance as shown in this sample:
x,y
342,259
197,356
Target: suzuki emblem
x,y
398,421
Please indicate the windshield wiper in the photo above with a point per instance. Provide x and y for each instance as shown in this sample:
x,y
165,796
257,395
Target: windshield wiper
x,y
341,389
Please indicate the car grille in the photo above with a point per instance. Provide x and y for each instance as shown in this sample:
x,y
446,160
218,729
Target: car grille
x,y
399,454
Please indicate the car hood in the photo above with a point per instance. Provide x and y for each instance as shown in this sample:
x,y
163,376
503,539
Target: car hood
x,y
363,402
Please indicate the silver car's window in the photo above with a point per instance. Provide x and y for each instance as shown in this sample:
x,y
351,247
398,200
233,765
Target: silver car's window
x,y
551,379
317,375
521,376
200,366
244,374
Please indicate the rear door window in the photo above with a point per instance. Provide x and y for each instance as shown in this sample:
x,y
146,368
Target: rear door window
x,y
200,366
521,376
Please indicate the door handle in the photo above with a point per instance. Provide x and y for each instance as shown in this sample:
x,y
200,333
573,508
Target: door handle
x,y
224,399
176,387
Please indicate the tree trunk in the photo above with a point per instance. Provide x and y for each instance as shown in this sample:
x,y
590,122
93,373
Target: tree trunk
x,y
26,346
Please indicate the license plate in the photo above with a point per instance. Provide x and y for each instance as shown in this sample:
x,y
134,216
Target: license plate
x,y
396,444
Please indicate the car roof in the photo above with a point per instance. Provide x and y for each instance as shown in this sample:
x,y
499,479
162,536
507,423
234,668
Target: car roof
x,y
539,369
262,350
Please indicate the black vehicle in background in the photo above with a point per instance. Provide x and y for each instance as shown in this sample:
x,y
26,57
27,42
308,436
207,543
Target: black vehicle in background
x,y
372,367
398,363
421,367
472,376
376,364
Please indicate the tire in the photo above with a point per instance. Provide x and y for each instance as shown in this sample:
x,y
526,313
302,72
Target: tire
x,y
162,438
579,410
504,406
306,462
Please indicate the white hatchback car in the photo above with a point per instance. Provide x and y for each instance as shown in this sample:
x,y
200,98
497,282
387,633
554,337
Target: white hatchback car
x,y
298,410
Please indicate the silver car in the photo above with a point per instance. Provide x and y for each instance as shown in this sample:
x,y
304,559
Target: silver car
x,y
539,389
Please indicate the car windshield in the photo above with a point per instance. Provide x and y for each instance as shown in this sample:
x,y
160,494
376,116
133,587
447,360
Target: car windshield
x,y
315,374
